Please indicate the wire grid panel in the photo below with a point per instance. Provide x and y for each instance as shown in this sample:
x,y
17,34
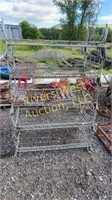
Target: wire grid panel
x,y
52,43
53,139
40,95
34,95
46,131
55,116
39,72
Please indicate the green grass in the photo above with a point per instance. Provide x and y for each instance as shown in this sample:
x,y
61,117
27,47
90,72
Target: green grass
x,y
67,52
109,53
105,71
27,53
2,46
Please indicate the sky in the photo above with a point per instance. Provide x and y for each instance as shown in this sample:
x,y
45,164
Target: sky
x,y
42,13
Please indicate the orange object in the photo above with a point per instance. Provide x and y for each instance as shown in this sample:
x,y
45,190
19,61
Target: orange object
x,y
79,80
64,83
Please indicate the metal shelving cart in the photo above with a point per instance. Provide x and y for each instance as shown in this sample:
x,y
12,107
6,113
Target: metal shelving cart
x,y
76,109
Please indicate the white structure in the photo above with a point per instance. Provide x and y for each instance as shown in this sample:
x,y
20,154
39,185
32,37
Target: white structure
x,y
10,32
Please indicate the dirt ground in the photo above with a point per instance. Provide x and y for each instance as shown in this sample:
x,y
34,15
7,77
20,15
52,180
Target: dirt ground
x,y
54,175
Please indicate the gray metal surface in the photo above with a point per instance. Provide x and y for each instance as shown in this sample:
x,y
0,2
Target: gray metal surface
x,y
54,147
9,31
76,119
89,45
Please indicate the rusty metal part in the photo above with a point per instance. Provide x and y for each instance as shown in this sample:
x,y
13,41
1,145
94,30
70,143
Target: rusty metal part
x,y
104,133
104,113
4,94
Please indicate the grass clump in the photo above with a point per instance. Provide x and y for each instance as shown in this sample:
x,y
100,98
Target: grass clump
x,y
2,46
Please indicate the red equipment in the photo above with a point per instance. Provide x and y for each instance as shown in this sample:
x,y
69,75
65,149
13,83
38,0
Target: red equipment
x,y
22,77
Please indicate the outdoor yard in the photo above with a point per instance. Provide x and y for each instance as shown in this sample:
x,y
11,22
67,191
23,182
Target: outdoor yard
x,y
55,175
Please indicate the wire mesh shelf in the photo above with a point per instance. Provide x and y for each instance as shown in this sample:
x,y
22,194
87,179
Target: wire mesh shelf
x,y
41,133
34,118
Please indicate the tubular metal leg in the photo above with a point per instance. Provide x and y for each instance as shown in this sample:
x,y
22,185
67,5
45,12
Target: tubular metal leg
x,y
17,144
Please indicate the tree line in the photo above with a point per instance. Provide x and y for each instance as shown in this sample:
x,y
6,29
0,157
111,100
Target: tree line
x,y
77,15
32,32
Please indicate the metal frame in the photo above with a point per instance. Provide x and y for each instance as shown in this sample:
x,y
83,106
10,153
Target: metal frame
x,y
88,43
85,121
20,127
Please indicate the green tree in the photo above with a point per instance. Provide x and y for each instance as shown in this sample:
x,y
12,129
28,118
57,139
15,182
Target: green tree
x,y
29,31
99,31
89,11
50,33
109,37
68,7
77,12
45,33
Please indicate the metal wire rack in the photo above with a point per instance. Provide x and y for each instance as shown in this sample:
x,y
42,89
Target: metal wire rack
x,y
44,94
30,121
38,114
36,127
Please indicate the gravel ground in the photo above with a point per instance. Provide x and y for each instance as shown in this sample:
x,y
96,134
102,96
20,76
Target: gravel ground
x,y
49,54
55,175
